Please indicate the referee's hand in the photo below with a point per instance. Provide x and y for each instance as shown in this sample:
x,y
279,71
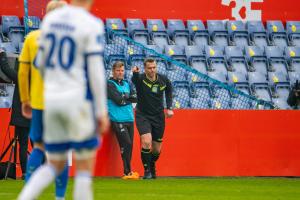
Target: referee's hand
x,y
169,113
135,69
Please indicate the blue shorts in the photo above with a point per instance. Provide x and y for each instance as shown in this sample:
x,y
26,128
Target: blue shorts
x,y
36,127
92,143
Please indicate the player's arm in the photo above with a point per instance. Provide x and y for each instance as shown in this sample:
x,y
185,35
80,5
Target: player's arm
x,y
132,97
96,74
169,97
24,78
24,71
114,95
135,75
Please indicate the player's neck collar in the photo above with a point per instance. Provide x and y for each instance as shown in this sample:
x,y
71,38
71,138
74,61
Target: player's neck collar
x,y
148,78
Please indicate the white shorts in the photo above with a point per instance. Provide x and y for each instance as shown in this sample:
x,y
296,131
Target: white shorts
x,y
69,123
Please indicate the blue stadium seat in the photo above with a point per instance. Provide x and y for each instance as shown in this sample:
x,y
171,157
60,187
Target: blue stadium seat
x,y
20,47
293,57
257,33
10,22
177,53
177,32
238,34
116,25
176,75
137,31
215,59
8,47
218,33
113,53
162,66
294,76
236,59
136,61
293,32
257,61
161,63
198,34
135,55
261,91
193,77
277,34
181,95
257,77
196,58
200,95
220,98
33,22
16,36
158,32
282,91
243,87
237,77
276,59
11,26
154,50
277,77
239,101
220,76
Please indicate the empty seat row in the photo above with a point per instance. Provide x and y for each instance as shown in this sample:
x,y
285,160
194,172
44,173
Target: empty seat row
x,y
13,32
201,95
216,61
10,23
217,32
223,33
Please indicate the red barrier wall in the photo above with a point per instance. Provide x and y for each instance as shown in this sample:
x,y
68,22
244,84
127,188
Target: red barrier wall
x,y
189,9
214,143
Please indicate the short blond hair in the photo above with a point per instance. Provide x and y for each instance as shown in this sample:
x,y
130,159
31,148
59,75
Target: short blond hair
x,y
53,4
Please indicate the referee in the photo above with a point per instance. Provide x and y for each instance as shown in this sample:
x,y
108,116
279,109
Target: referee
x,y
150,116
120,98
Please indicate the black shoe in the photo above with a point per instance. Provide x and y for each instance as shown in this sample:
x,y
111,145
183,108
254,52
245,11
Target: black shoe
x,y
153,170
147,175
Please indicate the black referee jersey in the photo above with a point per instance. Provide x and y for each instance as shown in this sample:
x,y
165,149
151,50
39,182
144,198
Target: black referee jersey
x,y
150,95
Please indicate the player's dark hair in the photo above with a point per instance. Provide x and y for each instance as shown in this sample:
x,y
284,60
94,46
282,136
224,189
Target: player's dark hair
x,y
149,60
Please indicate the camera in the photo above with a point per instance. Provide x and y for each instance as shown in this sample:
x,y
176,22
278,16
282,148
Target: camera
x,y
294,95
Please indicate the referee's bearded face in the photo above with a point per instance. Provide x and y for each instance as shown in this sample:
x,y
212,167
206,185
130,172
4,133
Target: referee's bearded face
x,y
151,69
118,73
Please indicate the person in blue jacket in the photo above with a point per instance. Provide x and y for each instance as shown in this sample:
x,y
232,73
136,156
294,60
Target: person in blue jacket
x,y
121,95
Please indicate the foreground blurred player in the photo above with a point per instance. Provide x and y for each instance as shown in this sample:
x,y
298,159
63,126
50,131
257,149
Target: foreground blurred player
x,y
70,57
149,115
31,94
120,98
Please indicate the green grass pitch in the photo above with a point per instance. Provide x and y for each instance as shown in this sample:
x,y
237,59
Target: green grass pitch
x,y
177,189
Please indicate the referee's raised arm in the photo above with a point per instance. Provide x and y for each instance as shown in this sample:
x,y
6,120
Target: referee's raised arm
x,y
135,75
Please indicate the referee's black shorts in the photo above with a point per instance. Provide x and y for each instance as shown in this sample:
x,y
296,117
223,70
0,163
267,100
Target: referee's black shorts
x,y
154,124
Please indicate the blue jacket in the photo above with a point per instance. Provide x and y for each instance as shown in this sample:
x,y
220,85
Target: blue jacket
x,y
120,98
